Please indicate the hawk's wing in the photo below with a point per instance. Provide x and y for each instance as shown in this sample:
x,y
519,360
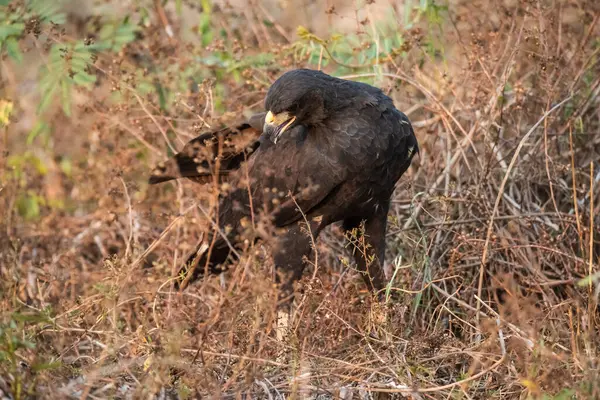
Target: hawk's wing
x,y
297,165
197,160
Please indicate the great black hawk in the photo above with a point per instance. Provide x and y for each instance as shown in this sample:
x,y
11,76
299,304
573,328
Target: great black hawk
x,y
327,150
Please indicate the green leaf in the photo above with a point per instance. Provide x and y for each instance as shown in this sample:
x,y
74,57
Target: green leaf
x,y
114,36
13,49
162,96
66,66
48,11
7,30
28,207
125,34
206,6
66,166
78,63
31,318
84,79
65,92
46,366
594,278
205,29
6,109
41,128
48,90
145,18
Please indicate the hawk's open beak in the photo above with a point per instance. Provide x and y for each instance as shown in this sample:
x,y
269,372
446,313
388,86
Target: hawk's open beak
x,y
277,124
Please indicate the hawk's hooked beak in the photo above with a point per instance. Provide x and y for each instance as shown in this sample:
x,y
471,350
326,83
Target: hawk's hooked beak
x,y
276,124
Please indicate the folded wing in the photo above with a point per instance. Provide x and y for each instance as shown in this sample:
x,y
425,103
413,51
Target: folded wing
x,y
213,153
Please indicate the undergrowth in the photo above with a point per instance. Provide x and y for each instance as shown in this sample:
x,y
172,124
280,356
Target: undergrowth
x,y
493,240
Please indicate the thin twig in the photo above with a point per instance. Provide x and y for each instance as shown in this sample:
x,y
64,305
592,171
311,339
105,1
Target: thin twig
x,y
154,120
130,239
501,192
591,269
154,244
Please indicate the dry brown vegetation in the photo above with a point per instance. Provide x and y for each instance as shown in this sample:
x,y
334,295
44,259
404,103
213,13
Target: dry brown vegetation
x,y
494,246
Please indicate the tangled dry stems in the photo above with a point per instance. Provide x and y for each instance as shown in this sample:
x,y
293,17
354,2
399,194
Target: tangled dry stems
x,y
491,231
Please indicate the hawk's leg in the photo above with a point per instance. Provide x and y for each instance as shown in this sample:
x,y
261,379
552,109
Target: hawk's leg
x,y
291,254
368,246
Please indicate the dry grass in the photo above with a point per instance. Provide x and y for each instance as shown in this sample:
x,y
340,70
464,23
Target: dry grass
x,y
492,233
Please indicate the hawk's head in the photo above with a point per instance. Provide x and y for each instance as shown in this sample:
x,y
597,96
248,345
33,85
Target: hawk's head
x,y
298,97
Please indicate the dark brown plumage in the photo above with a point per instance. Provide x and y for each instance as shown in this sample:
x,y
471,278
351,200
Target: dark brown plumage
x,y
197,160
331,150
